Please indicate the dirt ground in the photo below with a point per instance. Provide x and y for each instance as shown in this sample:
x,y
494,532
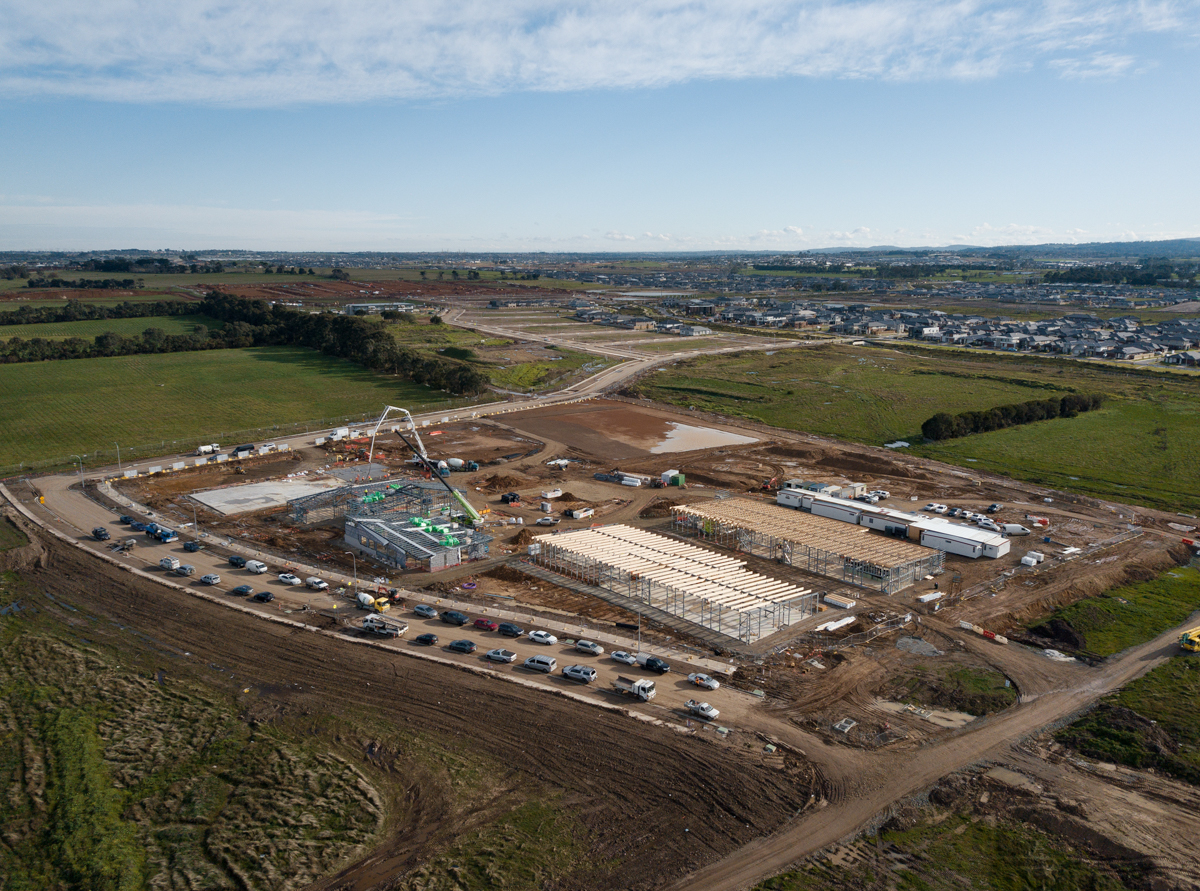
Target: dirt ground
x,y
636,785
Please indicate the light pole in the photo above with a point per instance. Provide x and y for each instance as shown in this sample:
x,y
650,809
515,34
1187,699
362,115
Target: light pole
x,y
195,522
354,590
119,470
80,460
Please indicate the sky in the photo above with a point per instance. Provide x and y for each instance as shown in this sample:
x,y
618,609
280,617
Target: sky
x,y
663,125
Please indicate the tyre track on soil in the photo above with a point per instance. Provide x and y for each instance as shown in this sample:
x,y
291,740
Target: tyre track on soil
x,y
640,785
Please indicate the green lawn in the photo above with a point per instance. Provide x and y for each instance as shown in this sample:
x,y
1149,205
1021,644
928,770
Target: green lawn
x,y
1138,448
170,402
93,327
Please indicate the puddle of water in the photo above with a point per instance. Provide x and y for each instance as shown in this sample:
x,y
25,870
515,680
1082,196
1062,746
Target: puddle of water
x,y
685,438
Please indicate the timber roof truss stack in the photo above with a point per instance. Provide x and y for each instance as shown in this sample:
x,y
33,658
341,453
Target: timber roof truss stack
x,y
676,564
852,542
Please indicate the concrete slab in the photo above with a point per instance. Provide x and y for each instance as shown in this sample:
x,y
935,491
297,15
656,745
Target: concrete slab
x,y
257,496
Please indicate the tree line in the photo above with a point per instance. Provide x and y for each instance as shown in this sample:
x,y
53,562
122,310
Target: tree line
x,y
77,311
946,426
98,284
247,323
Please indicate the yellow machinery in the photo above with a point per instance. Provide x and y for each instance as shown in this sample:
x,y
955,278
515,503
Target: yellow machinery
x,y
1190,640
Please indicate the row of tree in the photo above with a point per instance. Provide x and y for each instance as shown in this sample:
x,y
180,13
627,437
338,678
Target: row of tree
x,y
1147,272
947,426
152,340
77,311
97,284
365,341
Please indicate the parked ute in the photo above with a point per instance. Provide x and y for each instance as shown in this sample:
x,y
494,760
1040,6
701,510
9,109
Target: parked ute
x,y
101,534
702,710
548,521
317,584
652,663
501,655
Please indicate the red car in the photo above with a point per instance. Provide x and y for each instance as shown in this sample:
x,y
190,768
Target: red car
x,y
486,625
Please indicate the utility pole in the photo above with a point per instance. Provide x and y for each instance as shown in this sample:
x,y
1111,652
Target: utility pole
x,y
80,460
354,590
119,470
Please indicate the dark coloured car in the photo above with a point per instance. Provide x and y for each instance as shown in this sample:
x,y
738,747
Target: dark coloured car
x,y
242,591
508,629
126,519
454,617
192,546
656,664
236,560
100,534
461,646
993,508
486,625
426,640
264,596
137,527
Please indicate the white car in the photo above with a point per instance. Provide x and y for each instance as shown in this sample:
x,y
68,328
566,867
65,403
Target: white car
x,y
542,637
587,646
501,655
580,673
211,579
704,680
623,657
940,508
317,584
288,579
548,521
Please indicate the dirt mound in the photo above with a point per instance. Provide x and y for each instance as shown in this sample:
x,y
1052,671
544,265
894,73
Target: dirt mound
x,y
499,481
871,466
522,538
507,574
568,496
659,507
806,455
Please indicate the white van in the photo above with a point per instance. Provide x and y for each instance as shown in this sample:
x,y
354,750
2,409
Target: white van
x,y
169,563
1013,529
541,663
255,566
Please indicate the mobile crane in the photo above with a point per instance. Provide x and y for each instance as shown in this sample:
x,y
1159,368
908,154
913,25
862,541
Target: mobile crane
x,y
419,451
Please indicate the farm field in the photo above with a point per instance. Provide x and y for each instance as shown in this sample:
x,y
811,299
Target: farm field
x,y
173,401
94,327
1136,449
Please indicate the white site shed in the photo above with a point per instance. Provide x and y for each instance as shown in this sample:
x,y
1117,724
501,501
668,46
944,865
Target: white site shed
x,y
966,541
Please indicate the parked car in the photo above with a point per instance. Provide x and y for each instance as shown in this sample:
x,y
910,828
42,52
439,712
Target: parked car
x,y
137,527
425,611
242,591
256,566
426,640
125,518
317,584
170,564
264,596
702,710
461,646
543,637
454,617
192,546
545,664
210,579
703,680
289,579
101,534
582,673
501,655
486,625
587,646
623,657
993,508
548,521
508,629
185,569
237,560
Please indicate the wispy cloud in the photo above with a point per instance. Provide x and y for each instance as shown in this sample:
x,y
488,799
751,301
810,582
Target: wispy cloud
x,y
281,52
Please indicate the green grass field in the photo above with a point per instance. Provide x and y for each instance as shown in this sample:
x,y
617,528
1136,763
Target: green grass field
x,y
93,327
550,374
1138,448
170,402
1130,614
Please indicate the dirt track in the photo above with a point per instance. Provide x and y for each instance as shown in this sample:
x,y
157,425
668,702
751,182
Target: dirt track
x,y
638,786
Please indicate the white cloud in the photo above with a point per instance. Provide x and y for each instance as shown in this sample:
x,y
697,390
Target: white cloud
x,y
281,52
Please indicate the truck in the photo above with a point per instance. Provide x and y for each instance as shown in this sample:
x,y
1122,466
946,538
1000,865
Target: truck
x,y
210,449
385,626
367,601
652,663
1190,640
162,533
702,710
642,689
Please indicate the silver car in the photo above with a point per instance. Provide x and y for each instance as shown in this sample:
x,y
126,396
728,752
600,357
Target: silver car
x,y
581,673
501,655
587,646
211,579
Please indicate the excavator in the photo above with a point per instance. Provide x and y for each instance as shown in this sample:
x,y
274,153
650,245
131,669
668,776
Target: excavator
x,y
1190,640
419,451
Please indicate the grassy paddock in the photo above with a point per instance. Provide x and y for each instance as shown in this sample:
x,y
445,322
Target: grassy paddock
x,y
93,327
168,402
1138,448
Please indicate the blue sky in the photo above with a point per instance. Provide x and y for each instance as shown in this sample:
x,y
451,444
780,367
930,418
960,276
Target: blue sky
x,y
583,126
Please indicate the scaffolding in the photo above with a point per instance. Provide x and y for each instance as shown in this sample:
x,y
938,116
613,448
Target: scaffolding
x,y
408,498
817,544
693,583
